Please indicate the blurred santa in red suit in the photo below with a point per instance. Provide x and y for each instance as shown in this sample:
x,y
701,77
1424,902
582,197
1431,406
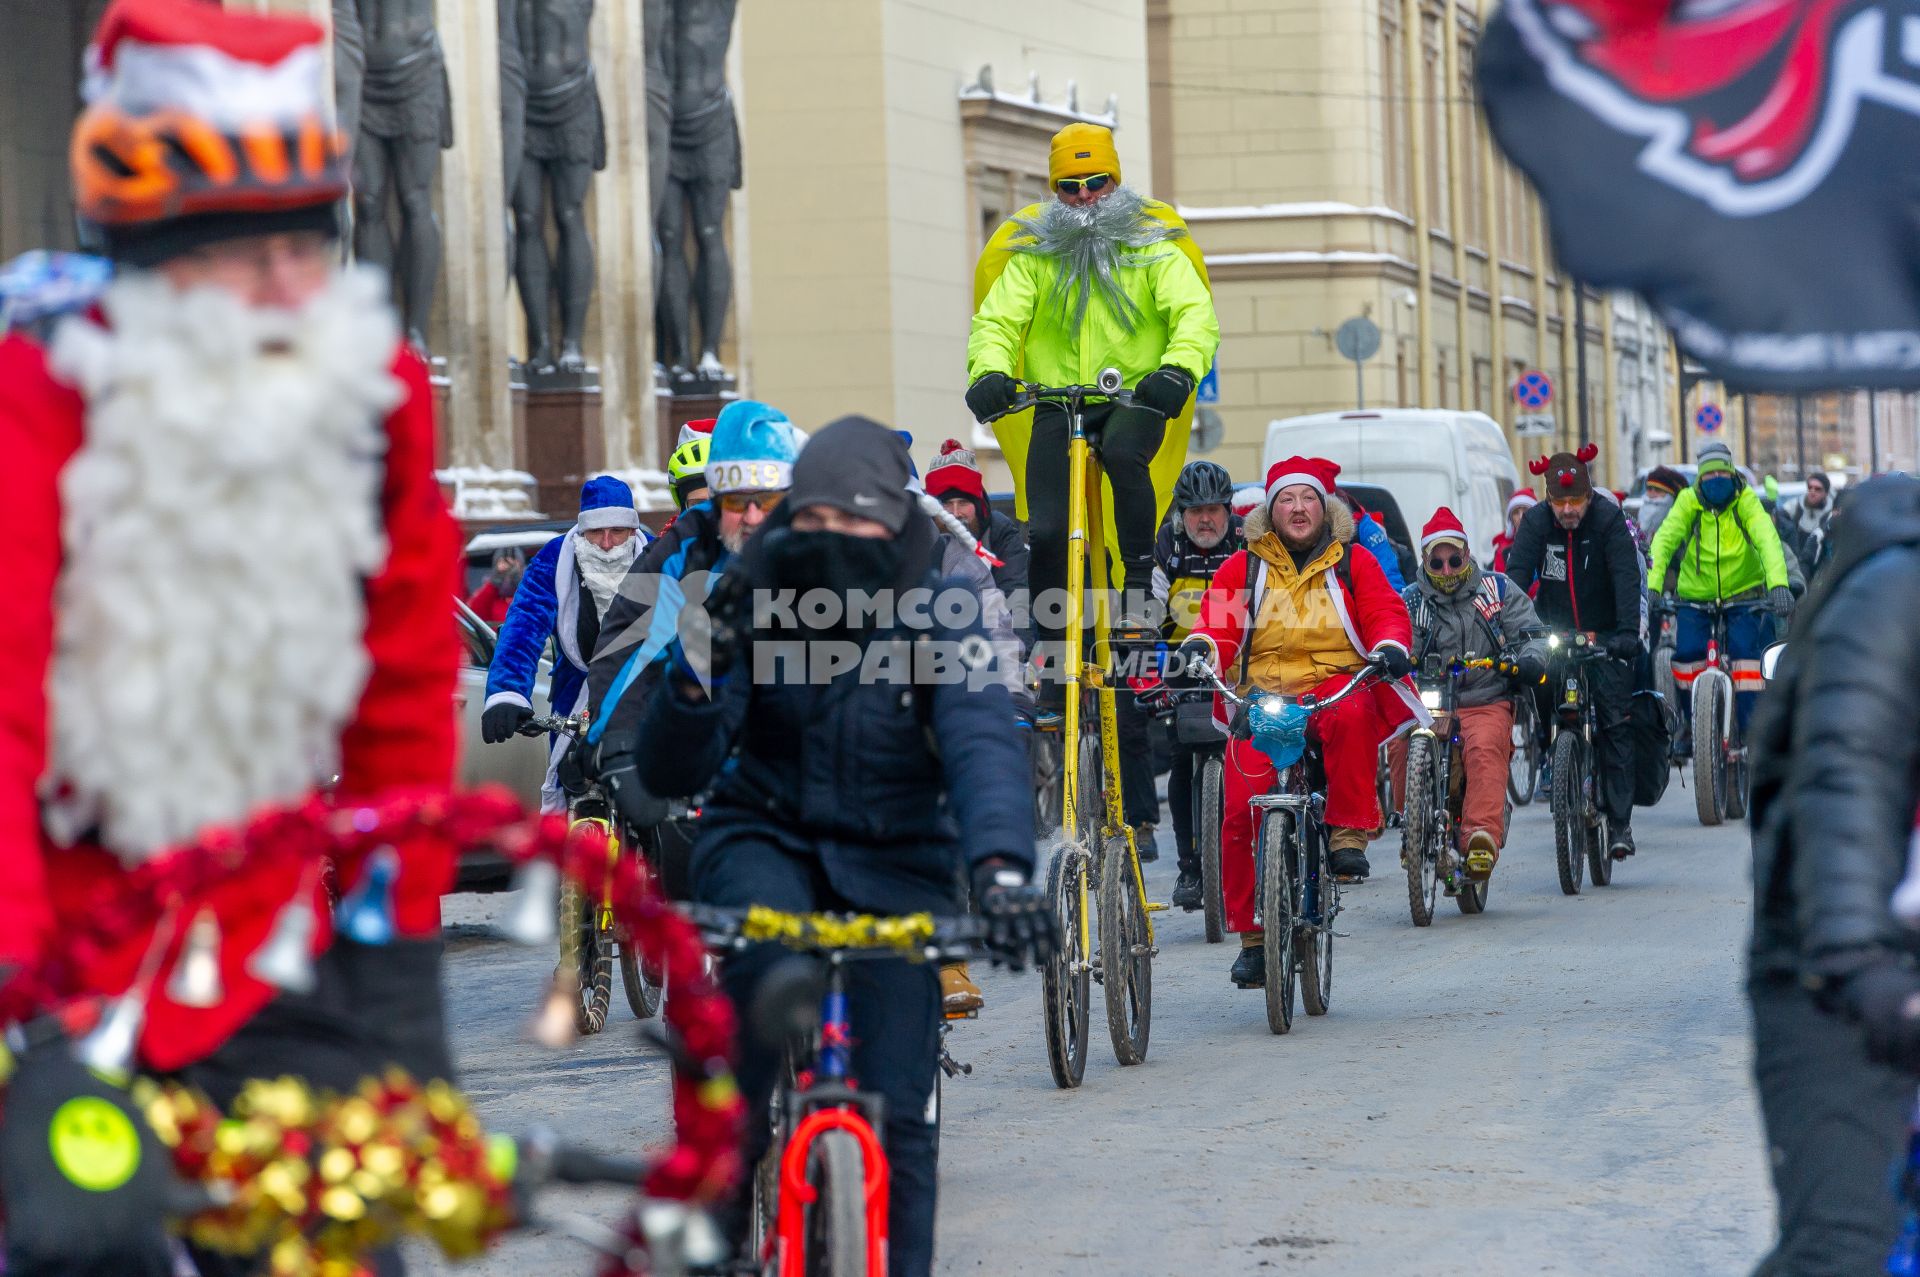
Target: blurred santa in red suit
x,y
231,565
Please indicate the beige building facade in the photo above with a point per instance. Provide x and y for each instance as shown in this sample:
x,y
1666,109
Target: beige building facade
x,y
1332,162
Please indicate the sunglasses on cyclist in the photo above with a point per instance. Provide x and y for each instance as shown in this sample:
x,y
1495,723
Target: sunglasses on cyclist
x,y
737,502
1444,564
1071,185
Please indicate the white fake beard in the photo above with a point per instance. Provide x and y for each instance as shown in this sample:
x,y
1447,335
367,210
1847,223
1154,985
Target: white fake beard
x,y
219,522
604,570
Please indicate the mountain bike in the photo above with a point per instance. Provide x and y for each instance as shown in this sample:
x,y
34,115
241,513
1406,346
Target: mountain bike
x,y
820,1193
1577,841
1429,819
590,942
1720,771
1095,872
1299,897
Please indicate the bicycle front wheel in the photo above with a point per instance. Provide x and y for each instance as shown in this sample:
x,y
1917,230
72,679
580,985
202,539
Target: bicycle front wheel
x,y
586,949
1523,766
1317,894
1709,750
1126,959
1417,851
1064,981
836,1222
1206,834
1569,812
643,990
1275,863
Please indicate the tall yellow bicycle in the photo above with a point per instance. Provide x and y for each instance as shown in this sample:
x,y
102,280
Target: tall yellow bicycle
x,y
1094,883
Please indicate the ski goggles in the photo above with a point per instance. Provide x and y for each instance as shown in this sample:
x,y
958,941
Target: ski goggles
x,y
1093,183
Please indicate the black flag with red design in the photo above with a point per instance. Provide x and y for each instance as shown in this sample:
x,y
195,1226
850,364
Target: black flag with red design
x,y
1751,167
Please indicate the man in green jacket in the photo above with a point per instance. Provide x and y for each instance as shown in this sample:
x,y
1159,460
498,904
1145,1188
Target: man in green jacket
x,y
1718,544
1097,278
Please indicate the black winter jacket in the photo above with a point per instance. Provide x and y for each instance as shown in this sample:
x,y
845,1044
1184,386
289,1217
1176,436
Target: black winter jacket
x,y
895,788
1837,753
1589,577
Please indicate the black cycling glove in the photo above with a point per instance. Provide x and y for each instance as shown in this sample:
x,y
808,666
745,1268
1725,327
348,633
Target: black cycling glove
x,y
1165,390
499,722
1393,659
991,395
1622,645
1021,927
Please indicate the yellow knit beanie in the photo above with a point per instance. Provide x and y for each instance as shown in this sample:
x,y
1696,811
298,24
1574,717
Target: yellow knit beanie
x,y
1081,150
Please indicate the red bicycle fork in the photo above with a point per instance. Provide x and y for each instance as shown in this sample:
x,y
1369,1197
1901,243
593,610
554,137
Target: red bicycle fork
x,y
796,1194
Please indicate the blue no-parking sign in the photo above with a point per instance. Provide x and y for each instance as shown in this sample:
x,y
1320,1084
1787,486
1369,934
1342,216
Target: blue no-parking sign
x,y
1533,391
1708,418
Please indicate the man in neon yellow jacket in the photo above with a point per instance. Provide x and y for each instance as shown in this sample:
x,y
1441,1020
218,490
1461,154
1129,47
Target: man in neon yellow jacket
x,y
1099,277
1719,545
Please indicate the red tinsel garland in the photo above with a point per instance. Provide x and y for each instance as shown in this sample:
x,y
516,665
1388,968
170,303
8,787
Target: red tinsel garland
x,y
708,1111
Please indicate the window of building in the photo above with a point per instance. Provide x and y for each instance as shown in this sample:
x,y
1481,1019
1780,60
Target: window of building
x,y
1394,147
1474,191
1433,110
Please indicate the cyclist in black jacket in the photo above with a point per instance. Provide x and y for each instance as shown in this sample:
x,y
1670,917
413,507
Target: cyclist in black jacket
x,y
1577,546
1836,779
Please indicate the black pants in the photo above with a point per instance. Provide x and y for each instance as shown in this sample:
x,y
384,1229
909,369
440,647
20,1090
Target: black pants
x,y
1129,438
1137,800
1183,798
1836,1127
1610,683
894,1007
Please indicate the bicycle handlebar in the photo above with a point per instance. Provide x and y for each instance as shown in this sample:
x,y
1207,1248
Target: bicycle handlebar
x,y
541,724
1030,394
917,935
1312,704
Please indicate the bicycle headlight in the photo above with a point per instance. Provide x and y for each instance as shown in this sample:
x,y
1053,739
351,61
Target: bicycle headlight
x,y
1553,640
1273,705
1430,697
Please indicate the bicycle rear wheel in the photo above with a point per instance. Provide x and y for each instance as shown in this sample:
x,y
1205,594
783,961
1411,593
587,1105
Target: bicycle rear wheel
x,y
1318,895
586,949
1709,750
643,992
1417,854
1523,766
1569,812
1064,981
1206,835
1126,961
836,1222
1044,751
1274,860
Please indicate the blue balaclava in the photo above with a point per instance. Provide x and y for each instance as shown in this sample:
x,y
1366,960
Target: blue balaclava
x,y
1718,483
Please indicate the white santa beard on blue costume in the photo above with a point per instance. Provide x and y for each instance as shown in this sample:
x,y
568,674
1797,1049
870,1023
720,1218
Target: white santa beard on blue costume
x,y
218,524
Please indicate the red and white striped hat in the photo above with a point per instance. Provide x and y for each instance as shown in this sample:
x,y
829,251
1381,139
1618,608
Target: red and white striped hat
x,y
194,110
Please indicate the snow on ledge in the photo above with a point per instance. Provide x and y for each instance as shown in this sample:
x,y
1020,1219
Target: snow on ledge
x,y
1311,208
1334,258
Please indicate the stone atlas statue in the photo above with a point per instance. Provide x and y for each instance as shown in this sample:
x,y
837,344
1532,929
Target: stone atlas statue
x,y
565,145
702,145
406,120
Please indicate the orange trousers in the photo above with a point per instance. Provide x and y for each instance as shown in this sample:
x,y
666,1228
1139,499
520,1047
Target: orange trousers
x,y
1486,744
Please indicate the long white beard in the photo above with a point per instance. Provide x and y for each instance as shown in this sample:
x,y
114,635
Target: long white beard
x,y
604,570
219,522
1088,244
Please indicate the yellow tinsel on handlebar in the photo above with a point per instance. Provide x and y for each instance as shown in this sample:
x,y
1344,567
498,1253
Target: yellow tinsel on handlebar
x,y
907,933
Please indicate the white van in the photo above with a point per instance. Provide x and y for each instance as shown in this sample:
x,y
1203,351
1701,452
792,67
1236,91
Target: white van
x,y
1425,457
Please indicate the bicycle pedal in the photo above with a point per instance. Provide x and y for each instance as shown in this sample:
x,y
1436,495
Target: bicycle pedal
x,y
963,1015
1154,906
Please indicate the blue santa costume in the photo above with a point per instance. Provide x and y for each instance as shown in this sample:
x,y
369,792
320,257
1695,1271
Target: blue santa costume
x,y
563,595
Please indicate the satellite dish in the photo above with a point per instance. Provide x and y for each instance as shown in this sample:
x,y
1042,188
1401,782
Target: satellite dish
x,y
1208,430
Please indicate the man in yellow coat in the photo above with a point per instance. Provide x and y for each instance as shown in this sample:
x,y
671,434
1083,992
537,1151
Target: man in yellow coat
x,y
1098,277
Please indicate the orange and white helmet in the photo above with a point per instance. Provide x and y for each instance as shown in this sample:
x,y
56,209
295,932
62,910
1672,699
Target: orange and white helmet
x,y
196,112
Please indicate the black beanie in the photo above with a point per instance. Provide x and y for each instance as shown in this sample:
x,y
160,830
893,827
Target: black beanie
x,y
857,466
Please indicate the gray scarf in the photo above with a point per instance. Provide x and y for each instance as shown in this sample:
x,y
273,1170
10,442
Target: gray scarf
x,y
1087,243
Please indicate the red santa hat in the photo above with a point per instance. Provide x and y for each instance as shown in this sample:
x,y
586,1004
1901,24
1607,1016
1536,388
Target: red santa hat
x,y
201,114
1316,472
1443,526
956,470
701,428
1521,500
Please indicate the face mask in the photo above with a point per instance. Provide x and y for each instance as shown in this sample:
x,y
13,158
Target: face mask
x,y
1716,490
803,561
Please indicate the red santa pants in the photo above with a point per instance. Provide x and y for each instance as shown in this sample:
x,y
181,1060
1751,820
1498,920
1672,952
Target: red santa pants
x,y
1349,736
